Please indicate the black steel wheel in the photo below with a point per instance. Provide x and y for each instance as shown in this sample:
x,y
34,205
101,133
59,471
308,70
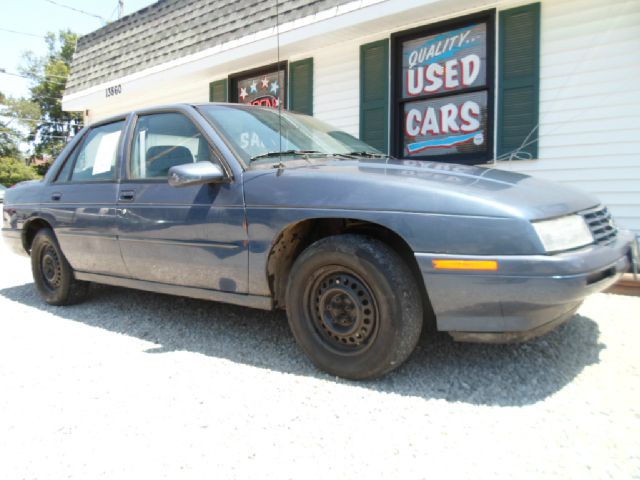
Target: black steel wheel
x,y
51,267
52,273
344,309
354,306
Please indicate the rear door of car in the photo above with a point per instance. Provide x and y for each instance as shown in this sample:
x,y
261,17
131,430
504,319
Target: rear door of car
x,y
189,236
81,201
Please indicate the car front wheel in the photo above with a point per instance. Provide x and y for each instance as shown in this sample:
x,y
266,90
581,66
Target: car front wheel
x,y
354,306
52,273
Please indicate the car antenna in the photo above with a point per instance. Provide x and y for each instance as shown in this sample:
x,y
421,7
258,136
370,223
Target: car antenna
x,y
278,76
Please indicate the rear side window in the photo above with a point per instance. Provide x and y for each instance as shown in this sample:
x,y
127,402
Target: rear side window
x,y
96,158
165,140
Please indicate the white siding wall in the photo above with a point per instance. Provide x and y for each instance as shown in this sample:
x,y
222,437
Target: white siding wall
x,y
197,91
590,102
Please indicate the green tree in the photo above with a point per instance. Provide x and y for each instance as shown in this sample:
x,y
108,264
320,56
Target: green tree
x,y
9,135
53,127
13,171
9,138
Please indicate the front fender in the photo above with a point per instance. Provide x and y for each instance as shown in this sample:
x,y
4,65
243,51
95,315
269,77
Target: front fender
x,y
429,233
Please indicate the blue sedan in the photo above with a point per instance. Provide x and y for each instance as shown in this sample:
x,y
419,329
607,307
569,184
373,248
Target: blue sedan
x,y
239,204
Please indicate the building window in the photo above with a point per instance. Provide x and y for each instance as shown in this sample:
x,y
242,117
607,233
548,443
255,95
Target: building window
x,y
264,86
443,90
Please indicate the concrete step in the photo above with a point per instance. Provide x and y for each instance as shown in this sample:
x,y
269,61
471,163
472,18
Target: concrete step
x,y
627,285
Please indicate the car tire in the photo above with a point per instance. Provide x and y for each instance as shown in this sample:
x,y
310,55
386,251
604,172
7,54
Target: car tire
x,y
354,306
52,273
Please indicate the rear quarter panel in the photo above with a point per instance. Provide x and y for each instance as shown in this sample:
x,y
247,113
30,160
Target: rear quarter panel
x,y
21,205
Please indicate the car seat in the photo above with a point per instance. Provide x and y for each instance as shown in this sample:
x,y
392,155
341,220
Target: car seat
x,y
162,157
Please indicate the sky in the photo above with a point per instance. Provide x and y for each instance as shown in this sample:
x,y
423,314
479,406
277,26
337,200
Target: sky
x,y
37,17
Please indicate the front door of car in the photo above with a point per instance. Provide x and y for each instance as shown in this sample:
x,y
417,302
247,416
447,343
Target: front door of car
x,y
190,236
81,202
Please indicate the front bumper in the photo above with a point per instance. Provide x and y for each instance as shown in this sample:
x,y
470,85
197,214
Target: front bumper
x,y
526,296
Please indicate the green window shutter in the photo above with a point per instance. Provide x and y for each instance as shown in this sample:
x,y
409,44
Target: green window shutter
x,y
301,86
374,94
519,80
218,91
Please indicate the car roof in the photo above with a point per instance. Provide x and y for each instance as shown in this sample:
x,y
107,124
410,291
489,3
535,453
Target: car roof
x,y
171,106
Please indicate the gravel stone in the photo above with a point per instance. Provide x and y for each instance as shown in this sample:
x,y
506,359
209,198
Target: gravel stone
x,y
140,385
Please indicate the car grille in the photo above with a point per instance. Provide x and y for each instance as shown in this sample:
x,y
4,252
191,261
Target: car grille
x,y
601,225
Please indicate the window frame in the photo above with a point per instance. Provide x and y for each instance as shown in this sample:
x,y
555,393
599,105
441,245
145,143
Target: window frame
x,y
131,137
73,155
397,102
232,95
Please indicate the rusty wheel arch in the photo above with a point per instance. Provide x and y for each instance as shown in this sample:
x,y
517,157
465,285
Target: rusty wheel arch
x,y
30,229
294,238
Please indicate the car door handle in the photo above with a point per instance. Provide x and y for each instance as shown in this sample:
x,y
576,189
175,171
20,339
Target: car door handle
x,y
127,195
56,196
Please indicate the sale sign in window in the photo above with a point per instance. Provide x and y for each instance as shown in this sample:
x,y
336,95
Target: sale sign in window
x,y
455,123
444,95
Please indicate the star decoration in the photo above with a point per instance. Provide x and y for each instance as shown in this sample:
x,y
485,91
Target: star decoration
x,y
265,82
243,93
275,87
254,87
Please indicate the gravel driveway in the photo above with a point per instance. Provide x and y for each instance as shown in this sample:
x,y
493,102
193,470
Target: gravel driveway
x,y
145,386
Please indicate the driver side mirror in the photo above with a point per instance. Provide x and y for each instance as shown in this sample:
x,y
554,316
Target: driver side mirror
x,y
195,174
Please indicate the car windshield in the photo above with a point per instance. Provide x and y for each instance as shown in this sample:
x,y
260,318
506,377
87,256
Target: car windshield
x,y
253,132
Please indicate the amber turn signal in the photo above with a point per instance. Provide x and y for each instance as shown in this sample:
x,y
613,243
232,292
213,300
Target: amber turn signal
x,y
465,264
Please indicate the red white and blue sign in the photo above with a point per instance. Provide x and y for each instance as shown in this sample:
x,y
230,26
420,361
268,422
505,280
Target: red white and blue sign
x,y
264,90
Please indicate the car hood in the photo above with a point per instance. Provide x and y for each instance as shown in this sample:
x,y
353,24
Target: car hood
x,y
409,186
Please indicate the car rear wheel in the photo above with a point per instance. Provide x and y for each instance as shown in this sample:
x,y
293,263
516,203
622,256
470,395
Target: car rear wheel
x,y
354,306
52,273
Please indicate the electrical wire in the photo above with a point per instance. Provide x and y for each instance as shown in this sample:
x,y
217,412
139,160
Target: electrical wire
x,y
113,12
3,70
21,33
42,79
278,76
39,97
35,120
77,10
64,137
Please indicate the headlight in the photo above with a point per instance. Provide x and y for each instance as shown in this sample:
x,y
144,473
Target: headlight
x,y
563,233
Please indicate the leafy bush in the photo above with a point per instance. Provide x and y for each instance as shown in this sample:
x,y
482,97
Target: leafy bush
x,y
41,169
13,171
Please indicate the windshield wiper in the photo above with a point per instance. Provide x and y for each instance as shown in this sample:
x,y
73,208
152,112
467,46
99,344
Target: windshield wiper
x,y
284,152
368,154
353,155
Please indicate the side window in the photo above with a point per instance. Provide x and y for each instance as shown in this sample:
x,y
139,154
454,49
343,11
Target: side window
x,y
165,140
95,159
63,174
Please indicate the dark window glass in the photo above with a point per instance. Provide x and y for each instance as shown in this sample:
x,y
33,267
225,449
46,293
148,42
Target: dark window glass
x,y
96,158
265,87
165,140
63,174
